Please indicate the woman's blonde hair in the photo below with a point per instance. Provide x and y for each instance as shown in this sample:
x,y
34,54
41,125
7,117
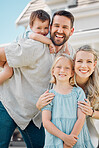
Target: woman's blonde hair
x,y
92,86
62,55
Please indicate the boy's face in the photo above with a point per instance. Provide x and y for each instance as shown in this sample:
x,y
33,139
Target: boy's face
x,y
40,27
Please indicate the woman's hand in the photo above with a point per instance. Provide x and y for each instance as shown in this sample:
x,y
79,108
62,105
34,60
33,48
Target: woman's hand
x,y
85,107
44,100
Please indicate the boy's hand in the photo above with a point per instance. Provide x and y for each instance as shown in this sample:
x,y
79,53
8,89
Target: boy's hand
x,y
52,48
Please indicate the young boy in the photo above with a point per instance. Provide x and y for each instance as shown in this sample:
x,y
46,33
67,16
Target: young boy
x,y
39,28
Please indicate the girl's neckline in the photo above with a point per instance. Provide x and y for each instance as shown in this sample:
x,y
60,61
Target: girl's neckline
x,y
64,94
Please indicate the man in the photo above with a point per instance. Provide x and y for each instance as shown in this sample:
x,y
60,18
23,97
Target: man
x,y
31,62
61,30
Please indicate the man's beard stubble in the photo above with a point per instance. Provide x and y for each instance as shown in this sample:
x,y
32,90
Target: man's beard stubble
x,y
59,44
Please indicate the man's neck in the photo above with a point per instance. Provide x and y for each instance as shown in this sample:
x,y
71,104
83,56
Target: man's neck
x,y
58,48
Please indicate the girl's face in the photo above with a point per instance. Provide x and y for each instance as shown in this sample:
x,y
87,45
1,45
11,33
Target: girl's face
x,y
40,27
63,69
84,64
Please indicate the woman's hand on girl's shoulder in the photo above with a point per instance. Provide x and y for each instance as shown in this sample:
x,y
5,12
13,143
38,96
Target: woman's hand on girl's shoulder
x,y
85,107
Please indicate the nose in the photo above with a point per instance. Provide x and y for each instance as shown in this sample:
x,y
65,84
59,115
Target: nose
x,y
62,69
42,31
60,30
84,64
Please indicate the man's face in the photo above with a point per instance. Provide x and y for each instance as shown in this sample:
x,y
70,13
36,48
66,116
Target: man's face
x,y
60,30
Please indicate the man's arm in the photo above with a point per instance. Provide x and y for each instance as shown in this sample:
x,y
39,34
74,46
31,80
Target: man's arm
x,y
6,73
2,54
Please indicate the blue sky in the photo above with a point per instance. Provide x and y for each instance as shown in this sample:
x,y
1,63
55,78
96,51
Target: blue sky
x,y
9,12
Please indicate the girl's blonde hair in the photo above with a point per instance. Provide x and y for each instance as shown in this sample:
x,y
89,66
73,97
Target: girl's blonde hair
x,y
62,55
92,86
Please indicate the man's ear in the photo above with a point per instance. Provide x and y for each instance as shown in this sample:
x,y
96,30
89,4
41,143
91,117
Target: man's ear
x,y
72,30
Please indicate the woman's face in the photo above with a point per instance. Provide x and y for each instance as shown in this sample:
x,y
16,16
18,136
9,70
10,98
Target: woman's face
x,y
84,64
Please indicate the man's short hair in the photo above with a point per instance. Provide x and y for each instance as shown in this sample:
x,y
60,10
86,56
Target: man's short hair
x,y
66,14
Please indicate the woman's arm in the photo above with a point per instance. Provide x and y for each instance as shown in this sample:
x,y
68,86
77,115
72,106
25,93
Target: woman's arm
x,y
69,140
79,123
87,110
6,73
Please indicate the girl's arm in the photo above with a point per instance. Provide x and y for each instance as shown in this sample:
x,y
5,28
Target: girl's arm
x,y
6,73
87,110
79,123
69,140
43,39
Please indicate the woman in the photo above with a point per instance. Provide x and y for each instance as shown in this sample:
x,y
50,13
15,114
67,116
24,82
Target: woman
x,y
87,77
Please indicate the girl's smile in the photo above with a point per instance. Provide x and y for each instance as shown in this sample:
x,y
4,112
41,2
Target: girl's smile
x,y
63,70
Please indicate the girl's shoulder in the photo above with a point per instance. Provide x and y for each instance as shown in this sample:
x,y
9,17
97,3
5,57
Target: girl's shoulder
x,y
78,90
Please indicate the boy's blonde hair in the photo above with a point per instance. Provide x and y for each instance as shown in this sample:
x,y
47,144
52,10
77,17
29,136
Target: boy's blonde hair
x,y
62,55
92,86
41,15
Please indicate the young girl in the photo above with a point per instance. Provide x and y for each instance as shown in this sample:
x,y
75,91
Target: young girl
x,y
63,121
87,77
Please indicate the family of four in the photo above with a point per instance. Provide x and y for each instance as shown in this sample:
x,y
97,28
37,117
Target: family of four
x,y
26,76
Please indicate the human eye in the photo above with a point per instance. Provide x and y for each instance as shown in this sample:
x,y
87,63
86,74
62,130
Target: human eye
x,y
56,25
79,61
65,27
89,61
58,66
67,68
46,27
38,28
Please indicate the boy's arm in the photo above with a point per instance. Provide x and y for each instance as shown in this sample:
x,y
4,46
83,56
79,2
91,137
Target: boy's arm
x,y
69,140
43,39
6,73
2,54
40,38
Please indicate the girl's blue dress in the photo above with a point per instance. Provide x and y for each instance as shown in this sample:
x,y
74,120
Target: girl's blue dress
x,y
64,115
